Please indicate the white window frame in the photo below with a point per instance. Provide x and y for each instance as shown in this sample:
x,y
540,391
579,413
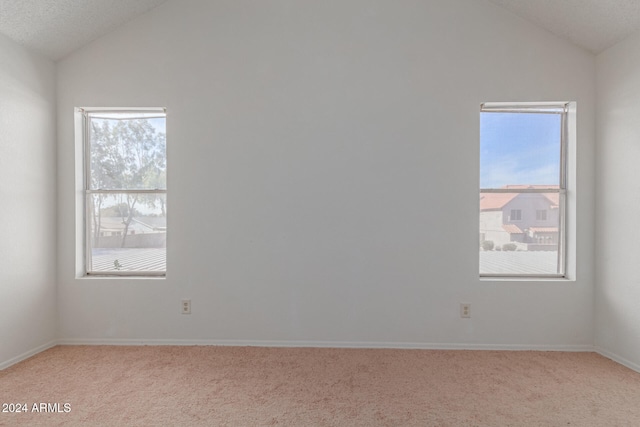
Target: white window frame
x,y
564,109
83,115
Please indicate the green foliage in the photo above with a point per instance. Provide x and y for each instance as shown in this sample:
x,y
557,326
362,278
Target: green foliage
x,y
509,247
487,245
126,153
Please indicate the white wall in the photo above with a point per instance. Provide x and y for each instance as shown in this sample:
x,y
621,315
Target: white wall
x,y
323,183
617,330
27,203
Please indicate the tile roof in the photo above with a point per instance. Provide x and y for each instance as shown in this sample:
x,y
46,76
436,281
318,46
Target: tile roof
x,y
512,229
553,198
496,201
544,229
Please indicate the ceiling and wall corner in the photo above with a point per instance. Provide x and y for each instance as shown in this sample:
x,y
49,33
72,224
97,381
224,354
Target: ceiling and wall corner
x,y
592,24
55,28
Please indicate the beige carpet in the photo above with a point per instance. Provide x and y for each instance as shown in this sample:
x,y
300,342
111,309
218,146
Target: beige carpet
x,y
250,386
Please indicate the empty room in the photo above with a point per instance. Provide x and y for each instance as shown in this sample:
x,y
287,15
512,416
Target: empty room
x,y
323,213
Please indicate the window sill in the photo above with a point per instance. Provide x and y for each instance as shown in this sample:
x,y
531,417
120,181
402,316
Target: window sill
x,y
119,277
525,279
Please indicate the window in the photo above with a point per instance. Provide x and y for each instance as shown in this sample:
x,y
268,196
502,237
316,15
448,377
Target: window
x,y
523,189
125,192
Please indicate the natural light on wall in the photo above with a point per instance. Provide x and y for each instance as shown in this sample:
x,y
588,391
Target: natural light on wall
x,y
125,191
523,189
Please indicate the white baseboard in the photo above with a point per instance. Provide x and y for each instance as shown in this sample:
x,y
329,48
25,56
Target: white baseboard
x,y
317,344
26,355
621,360
329,344
322,344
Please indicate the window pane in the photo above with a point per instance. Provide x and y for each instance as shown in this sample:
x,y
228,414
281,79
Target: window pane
x,y
526,244
127,152
127,232
519,148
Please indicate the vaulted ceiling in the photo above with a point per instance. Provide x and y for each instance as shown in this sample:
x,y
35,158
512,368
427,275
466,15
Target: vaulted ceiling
x,y
56,28
593,24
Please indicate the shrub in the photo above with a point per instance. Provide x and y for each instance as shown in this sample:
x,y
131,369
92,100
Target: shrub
x,y
509,247
487,245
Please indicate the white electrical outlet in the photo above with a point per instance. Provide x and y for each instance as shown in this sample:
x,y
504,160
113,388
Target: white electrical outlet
x,y
465,310
186,306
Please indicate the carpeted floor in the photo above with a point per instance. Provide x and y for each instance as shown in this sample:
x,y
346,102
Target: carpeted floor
x,y
252,386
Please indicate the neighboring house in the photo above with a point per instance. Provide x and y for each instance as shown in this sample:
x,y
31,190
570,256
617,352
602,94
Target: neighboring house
x,y
143,232
528,219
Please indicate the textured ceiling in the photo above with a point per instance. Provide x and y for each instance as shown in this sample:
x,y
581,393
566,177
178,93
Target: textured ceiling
x,y
56,28
592,24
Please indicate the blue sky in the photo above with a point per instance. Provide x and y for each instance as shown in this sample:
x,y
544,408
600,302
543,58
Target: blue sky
x,y
519,148
160,124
